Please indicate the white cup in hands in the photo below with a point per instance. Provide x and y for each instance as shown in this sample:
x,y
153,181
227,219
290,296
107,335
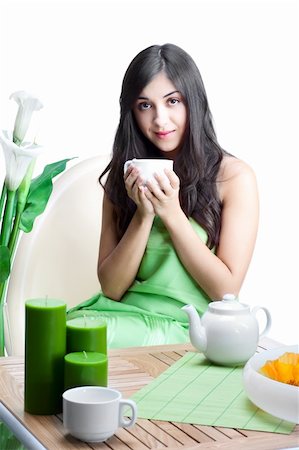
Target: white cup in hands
x,y
149,167
93,413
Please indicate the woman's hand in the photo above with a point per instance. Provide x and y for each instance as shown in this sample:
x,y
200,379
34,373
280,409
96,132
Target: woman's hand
x,y
164,196
136,191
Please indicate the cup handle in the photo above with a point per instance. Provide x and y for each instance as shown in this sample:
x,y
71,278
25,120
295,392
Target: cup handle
x,y
268,316
127,164
123,422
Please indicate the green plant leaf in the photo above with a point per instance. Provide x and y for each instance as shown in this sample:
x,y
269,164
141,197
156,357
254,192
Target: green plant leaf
x,y
39,194
4,263
8,439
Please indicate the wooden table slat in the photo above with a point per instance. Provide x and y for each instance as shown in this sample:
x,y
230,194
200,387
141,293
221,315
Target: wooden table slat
x,y
232,433
194,432
178,434
163,431
214,433
114,443
173,355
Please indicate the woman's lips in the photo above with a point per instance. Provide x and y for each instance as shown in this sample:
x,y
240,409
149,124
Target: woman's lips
x,y
164,134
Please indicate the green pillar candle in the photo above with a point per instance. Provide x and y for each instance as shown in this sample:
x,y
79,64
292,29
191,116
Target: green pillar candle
x,y
85,369
86,333
45,348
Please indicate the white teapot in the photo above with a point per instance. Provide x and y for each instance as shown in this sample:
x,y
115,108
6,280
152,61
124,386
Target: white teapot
x,y
228,331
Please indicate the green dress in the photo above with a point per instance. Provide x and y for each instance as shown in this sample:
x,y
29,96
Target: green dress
x,y
150,311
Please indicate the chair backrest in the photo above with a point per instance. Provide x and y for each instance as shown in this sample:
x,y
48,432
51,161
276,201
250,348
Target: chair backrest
x,y
58,258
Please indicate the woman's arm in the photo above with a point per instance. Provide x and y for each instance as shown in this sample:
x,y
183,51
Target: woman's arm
x,y
119,261
224,271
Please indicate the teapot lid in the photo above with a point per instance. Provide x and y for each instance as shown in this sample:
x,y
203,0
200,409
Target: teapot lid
x,y
228,304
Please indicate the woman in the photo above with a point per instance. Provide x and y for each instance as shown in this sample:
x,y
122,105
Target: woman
x,y
166,244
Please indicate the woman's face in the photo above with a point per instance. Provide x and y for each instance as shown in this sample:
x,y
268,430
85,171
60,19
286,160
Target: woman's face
x,y
161,114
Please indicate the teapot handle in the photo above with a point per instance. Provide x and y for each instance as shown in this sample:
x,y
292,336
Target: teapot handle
x,y
268,316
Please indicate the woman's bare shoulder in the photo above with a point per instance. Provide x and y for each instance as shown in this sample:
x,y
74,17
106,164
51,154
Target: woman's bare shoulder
x,y
233,173
231,167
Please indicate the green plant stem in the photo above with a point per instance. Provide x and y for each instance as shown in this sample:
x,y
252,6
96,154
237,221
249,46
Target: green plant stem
x,y
2,199
11,246
21,203
2,290
2,352
10,235
2,337
7,218
5,238
14,234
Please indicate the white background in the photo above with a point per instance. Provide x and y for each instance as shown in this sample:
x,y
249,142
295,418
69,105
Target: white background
x,y
73,54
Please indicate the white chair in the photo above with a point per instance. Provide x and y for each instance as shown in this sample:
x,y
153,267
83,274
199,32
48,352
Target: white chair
x,y
58,258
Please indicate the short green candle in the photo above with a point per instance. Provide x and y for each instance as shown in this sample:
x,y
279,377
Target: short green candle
x,y
45,347
86,333
85,369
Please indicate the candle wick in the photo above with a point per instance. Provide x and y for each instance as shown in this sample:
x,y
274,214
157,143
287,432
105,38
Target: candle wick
x,y
84,353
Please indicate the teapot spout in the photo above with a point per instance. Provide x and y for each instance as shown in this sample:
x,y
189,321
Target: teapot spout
x,y
197,332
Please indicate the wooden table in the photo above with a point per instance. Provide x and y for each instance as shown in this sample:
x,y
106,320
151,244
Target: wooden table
x,y
130,370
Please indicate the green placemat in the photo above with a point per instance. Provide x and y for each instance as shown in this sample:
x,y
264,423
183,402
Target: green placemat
x,y
194,391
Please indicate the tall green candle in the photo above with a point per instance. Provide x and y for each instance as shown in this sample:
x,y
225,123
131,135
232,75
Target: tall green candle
x,y
45,348
86,333
85,369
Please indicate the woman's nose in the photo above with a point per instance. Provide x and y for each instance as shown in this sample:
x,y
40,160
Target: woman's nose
x,y
161,117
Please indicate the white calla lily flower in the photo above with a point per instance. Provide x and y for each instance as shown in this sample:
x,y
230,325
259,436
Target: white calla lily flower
x,y
17,159
27,105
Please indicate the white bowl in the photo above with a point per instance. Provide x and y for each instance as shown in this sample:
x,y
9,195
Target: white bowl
x,y
276,398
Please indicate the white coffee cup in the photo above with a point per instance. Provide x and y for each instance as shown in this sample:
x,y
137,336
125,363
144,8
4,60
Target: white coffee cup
x,y
148,167
93,413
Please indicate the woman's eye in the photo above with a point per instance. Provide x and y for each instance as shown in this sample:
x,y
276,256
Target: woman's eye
x,y
143,106
173,101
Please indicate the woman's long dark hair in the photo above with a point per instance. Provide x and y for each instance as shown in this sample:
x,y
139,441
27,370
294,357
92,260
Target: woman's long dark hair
x,y
197,164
